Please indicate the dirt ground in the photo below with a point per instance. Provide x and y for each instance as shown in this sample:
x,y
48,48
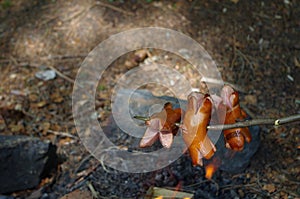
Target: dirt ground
x,y
256,45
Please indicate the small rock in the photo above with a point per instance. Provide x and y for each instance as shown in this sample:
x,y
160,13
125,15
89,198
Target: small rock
x,y
45,75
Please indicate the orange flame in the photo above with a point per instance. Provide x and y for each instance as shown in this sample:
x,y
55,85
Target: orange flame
x,y
212,167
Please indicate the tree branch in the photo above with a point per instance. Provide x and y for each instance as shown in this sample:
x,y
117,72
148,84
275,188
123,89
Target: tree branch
x,y
275,122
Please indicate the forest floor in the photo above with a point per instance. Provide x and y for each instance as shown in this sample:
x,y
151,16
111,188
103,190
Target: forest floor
x,y
255,44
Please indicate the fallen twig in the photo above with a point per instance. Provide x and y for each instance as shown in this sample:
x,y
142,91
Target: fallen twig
x,y
254,122
82,162
245,57
64,56
64,134
114,8
61,75
78,182
234,52
92,189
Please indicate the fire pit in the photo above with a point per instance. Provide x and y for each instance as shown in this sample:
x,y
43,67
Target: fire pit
x,y
179,175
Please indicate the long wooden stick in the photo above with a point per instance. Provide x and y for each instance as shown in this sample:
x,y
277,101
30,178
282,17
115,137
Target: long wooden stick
x,y
254,122
275,122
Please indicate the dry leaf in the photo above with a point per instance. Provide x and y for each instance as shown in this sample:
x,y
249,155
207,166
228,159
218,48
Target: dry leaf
x,y
140,55
33,97
269,187
45,127
56,127
78,194
65,141
41,104
251,99
57,98
15,128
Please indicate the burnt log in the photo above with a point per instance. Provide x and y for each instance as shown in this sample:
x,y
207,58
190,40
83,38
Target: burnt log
x,y
24,162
